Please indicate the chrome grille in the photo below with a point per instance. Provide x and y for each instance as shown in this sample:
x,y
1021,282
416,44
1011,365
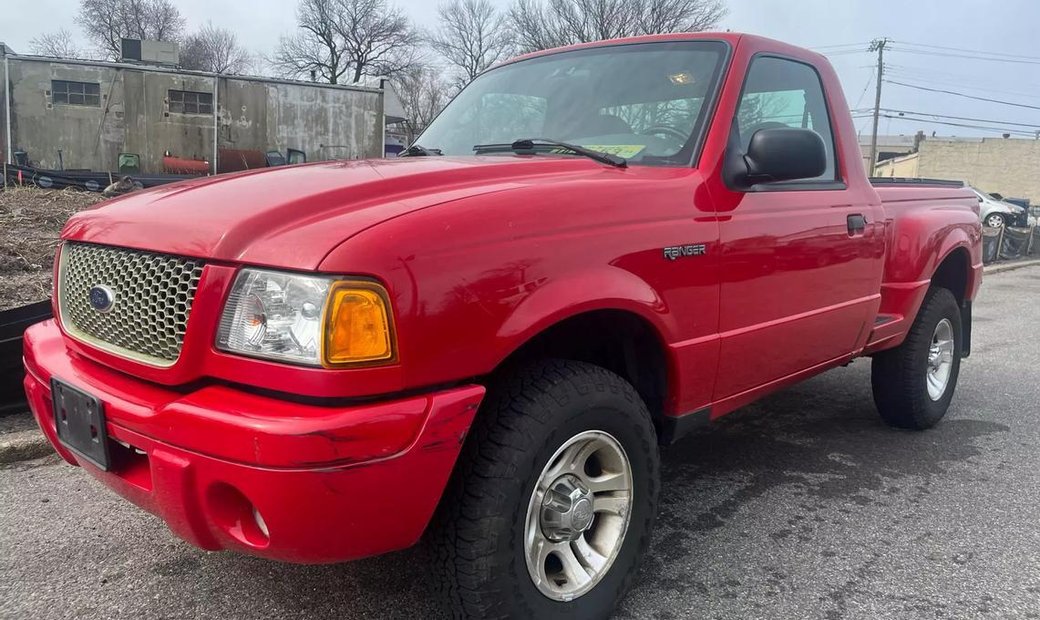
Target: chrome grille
x,y
152,296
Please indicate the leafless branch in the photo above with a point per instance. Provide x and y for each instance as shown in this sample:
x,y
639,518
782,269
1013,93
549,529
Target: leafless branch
x,y
347,38
471,36
107,22
541,24
214,49
422,94
60,44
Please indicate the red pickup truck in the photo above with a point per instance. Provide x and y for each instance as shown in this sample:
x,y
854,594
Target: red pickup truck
x,y
591,251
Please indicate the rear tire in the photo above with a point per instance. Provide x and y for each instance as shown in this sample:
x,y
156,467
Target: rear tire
x,y
913,383
482,534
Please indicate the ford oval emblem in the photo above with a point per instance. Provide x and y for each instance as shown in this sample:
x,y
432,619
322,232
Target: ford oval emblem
x,y
102,298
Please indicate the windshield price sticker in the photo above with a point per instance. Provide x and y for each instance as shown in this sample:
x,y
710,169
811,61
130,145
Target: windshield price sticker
x,y
627,151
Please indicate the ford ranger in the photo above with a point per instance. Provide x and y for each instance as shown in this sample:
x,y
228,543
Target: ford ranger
x,y
590,252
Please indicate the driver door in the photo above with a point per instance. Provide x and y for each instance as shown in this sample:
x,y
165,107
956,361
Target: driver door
x,y
799,279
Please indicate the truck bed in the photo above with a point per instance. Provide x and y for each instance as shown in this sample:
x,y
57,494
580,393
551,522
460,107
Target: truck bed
x,y
900,189
926,219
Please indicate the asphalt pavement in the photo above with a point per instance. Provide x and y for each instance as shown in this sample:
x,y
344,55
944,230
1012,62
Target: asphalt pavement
x,y
801,506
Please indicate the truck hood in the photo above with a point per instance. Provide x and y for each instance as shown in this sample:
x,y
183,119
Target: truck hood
x,y
294,216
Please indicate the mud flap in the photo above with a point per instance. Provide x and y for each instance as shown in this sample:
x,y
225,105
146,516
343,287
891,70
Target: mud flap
x,y
966,329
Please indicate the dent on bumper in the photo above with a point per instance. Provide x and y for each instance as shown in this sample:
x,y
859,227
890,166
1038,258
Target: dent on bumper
x,y
231,470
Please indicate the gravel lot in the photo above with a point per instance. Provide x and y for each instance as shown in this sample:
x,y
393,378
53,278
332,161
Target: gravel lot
x,y
803,506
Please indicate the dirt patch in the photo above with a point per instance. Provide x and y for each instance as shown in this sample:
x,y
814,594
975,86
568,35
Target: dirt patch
x,y
30,222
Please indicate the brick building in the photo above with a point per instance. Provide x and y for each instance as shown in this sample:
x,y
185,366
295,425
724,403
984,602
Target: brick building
x,y
1008,166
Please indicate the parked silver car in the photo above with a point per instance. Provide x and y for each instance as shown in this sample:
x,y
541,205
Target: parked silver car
x,y
997,213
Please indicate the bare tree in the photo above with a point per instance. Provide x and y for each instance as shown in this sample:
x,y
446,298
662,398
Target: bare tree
x,y
680,15
422,95
107,22
60,44
316,50
214,49
380,39
347,38
471,36
541,24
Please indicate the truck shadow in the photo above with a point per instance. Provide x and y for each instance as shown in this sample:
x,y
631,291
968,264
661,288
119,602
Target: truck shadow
x,y
821,444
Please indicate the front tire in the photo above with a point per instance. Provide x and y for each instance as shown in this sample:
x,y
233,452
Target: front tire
x,y
913,383
995,220
551,506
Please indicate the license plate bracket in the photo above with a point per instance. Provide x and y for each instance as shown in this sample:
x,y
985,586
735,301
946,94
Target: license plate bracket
x,y
80,421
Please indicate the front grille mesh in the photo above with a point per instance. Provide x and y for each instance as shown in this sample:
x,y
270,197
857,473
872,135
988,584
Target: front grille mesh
x,y
153,296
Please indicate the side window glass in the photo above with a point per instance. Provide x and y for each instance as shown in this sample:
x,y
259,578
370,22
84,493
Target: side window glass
x,y
785,93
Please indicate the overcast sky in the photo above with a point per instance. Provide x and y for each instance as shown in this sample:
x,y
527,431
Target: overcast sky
x,y
919,28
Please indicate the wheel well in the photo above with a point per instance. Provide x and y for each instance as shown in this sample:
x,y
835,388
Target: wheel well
x,y
952,274
620,341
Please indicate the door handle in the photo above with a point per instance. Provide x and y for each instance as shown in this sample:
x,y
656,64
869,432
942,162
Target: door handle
x,y
857,224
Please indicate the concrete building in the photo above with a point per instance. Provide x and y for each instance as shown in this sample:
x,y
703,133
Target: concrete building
x,y
901,166
1008,166
91,111
887,147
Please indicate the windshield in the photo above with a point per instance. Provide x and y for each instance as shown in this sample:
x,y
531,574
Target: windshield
x,y
643,102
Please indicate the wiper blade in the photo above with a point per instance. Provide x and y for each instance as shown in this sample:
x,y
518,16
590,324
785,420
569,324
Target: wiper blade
x,y
417,150
526,145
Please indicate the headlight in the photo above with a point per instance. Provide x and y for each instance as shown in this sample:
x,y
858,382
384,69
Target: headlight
x,y
310,320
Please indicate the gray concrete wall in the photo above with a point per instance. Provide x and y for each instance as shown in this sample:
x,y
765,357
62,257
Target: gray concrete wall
x,y
326,123
1010,166
134,116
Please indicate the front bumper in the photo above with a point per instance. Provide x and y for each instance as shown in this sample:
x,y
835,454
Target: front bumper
x,y
227,469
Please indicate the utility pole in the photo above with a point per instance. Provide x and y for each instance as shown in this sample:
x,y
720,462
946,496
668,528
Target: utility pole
x,y
877,45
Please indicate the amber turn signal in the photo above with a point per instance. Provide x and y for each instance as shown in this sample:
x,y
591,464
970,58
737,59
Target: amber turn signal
x,y
358,327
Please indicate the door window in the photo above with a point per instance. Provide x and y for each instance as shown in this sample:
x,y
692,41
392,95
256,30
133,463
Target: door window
x,y
785,93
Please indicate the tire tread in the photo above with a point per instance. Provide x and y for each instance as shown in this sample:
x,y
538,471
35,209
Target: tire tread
x,y
896,374
501,441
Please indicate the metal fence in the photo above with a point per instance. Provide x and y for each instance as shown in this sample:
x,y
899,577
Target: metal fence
x,y
1009,243
16,175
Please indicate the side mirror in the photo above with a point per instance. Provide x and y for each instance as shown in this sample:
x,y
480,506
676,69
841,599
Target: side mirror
x,y
783,154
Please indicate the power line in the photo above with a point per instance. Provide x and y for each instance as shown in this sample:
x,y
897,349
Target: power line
x,y
870,80
950,92
962,118
844,53
967,51
987,75
825,47
1017,132
998,129
966,56
921,76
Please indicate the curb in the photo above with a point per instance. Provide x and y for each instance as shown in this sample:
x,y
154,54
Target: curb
x,y
23,446
1000,268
